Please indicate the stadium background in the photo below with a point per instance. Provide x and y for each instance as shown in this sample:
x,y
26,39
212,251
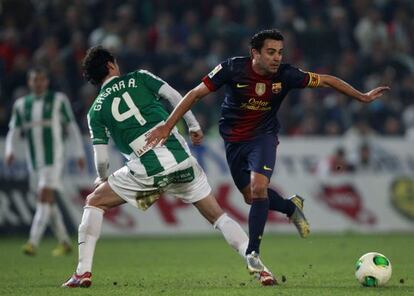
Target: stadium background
x,y
365,42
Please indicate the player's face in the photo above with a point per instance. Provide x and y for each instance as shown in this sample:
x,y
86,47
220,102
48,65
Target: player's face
x,y
270,56
38,82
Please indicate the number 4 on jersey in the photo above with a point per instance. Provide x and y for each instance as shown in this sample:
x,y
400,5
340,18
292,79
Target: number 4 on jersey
x,y
133,110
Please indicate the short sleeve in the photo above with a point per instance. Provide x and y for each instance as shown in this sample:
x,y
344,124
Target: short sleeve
x,y
151,81
97,129
16,120
218,76
66,110
296,78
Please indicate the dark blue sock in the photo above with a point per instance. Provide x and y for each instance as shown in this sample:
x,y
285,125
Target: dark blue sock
x,y
279,204
257,221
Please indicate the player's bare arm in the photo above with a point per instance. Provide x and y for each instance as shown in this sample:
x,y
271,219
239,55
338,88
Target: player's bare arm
x,y
161,133
346,89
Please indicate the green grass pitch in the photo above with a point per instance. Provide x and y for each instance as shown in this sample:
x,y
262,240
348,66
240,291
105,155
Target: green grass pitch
x,y
206,265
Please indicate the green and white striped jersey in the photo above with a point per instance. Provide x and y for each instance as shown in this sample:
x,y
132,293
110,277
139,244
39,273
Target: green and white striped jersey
x,y
42,120
126,108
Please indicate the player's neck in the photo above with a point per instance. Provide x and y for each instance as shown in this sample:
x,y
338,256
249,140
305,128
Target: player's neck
x,y
40,94
113,72
259,70
108,78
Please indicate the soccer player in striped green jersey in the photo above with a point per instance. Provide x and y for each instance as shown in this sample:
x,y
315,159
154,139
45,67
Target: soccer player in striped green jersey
x,y
42,117
126,109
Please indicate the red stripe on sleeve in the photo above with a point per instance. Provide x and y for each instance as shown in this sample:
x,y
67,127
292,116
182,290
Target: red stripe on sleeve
x,y
208,83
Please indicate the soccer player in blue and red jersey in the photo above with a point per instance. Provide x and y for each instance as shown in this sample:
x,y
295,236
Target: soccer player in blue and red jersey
x,y
255,87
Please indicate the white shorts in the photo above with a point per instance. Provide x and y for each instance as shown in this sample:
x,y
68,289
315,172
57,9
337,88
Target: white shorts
x,y
47,177
186,181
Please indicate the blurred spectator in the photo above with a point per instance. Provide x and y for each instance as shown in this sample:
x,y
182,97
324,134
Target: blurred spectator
x,y
408,119
392,127
364,159
364,42
360,131
335,164
332,128
220,25
9,49
370,31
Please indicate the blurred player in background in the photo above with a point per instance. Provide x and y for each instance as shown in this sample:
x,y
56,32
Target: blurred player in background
x,y
255,87
126,109
43,116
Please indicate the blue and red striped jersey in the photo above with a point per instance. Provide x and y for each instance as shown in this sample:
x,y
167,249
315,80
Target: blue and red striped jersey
x,y
251,101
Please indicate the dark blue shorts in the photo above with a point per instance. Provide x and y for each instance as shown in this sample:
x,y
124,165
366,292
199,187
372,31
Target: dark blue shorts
x,y
258,155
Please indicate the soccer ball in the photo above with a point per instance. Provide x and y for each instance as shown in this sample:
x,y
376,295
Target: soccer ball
x,y
373,269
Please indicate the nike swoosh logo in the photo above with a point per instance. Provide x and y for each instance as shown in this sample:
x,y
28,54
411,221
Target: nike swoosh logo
x,y
81,243
239,85
266,168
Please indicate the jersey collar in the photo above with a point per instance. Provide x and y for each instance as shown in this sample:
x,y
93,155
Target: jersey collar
x,y
270,76
108,80
39,97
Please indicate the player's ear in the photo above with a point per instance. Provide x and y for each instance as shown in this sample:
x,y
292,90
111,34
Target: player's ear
x,y
110,66
254,53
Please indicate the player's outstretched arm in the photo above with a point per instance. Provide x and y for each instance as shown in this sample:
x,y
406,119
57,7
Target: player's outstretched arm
x,y
161,133
345,88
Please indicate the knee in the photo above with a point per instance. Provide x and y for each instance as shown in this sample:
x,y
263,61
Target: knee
x,y
247,195
247,198
93,200
89,199
258,189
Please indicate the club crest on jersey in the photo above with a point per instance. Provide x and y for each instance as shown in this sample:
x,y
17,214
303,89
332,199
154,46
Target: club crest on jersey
x,y
260,88
276,87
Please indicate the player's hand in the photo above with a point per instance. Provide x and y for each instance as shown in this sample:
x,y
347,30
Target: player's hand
x,y
158,135
196,137
81,163
9,160
374,94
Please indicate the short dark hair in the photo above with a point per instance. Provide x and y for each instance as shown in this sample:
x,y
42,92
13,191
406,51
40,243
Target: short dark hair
x,y
38,70
94,64
259,38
